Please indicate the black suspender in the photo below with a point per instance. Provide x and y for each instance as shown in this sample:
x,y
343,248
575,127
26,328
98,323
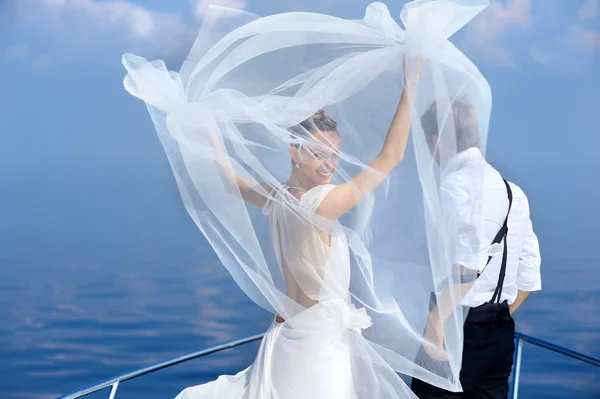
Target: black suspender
x,y
501,236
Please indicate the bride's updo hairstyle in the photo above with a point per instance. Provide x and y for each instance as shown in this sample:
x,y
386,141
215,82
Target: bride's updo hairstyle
x,y
320,121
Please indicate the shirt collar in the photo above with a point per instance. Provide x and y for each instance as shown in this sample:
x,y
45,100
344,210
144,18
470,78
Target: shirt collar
x,y
459,160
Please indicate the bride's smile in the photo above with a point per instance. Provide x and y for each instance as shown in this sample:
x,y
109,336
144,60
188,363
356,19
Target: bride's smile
x,y
316,166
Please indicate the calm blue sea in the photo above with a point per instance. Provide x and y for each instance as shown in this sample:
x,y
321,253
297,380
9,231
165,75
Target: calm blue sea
x,y
103,272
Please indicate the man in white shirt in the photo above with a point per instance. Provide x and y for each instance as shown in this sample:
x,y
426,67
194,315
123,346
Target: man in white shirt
x,y
492,244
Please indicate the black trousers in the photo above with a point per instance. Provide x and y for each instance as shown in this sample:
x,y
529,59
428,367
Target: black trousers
x,y
488,352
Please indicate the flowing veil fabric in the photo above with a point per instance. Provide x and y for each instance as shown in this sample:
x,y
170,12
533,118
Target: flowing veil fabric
x,y
364,281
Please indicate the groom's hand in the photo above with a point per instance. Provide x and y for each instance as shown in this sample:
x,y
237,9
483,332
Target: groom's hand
x,y
434,333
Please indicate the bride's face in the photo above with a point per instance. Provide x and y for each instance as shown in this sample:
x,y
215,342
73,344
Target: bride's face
x,y
316,161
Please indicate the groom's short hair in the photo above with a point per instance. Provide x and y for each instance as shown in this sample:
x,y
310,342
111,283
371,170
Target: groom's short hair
x,y
464,117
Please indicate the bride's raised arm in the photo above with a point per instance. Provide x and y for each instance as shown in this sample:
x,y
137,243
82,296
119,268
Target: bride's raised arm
x,y
164,91
250,190
346,196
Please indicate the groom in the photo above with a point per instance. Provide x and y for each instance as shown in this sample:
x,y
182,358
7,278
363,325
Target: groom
x,y
494,248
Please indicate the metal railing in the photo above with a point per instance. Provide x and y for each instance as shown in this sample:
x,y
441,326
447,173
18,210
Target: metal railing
x,y
113,383
522,338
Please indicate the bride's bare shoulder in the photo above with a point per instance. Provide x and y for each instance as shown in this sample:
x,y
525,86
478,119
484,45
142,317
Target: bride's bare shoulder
x,y
316,195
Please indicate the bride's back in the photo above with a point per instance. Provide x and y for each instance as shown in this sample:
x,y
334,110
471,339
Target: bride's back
x,y
312,251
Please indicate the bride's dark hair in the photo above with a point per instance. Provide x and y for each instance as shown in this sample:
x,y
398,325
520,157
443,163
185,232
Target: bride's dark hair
x,y
320,121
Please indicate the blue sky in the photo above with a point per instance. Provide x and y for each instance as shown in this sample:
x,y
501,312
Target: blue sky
x,y
68,122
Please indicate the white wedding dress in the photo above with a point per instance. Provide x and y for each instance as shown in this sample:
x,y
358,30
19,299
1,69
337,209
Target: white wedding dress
x,y
228,116
317,353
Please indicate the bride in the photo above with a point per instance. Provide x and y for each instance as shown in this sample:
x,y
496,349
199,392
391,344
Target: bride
x,y
309,355
254,89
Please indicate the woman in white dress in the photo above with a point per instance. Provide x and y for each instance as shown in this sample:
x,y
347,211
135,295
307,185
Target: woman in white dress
x,y
251,95
309,355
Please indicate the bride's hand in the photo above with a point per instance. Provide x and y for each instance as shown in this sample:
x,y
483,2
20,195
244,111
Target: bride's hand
x,y
413,64
212,138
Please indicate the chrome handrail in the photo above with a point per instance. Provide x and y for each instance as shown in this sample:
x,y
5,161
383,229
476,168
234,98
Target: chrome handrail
x,y
522,338
114,382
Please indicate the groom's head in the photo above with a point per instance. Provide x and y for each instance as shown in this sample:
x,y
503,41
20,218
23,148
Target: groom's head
x,y
450,127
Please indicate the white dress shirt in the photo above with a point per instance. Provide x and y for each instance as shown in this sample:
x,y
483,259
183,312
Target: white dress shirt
x,y
474,204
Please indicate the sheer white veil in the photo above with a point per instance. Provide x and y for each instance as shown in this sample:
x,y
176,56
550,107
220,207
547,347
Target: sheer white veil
x,y
247,83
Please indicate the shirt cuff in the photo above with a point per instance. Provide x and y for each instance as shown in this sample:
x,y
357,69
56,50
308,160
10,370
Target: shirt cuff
x,y
530,280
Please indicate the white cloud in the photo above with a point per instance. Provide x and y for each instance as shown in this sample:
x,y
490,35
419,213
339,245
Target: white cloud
x,y
200,6
589,9
118,23
137,21
56,3
24,52
17,51
486,31
586,39
541,56
566,45
85,25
